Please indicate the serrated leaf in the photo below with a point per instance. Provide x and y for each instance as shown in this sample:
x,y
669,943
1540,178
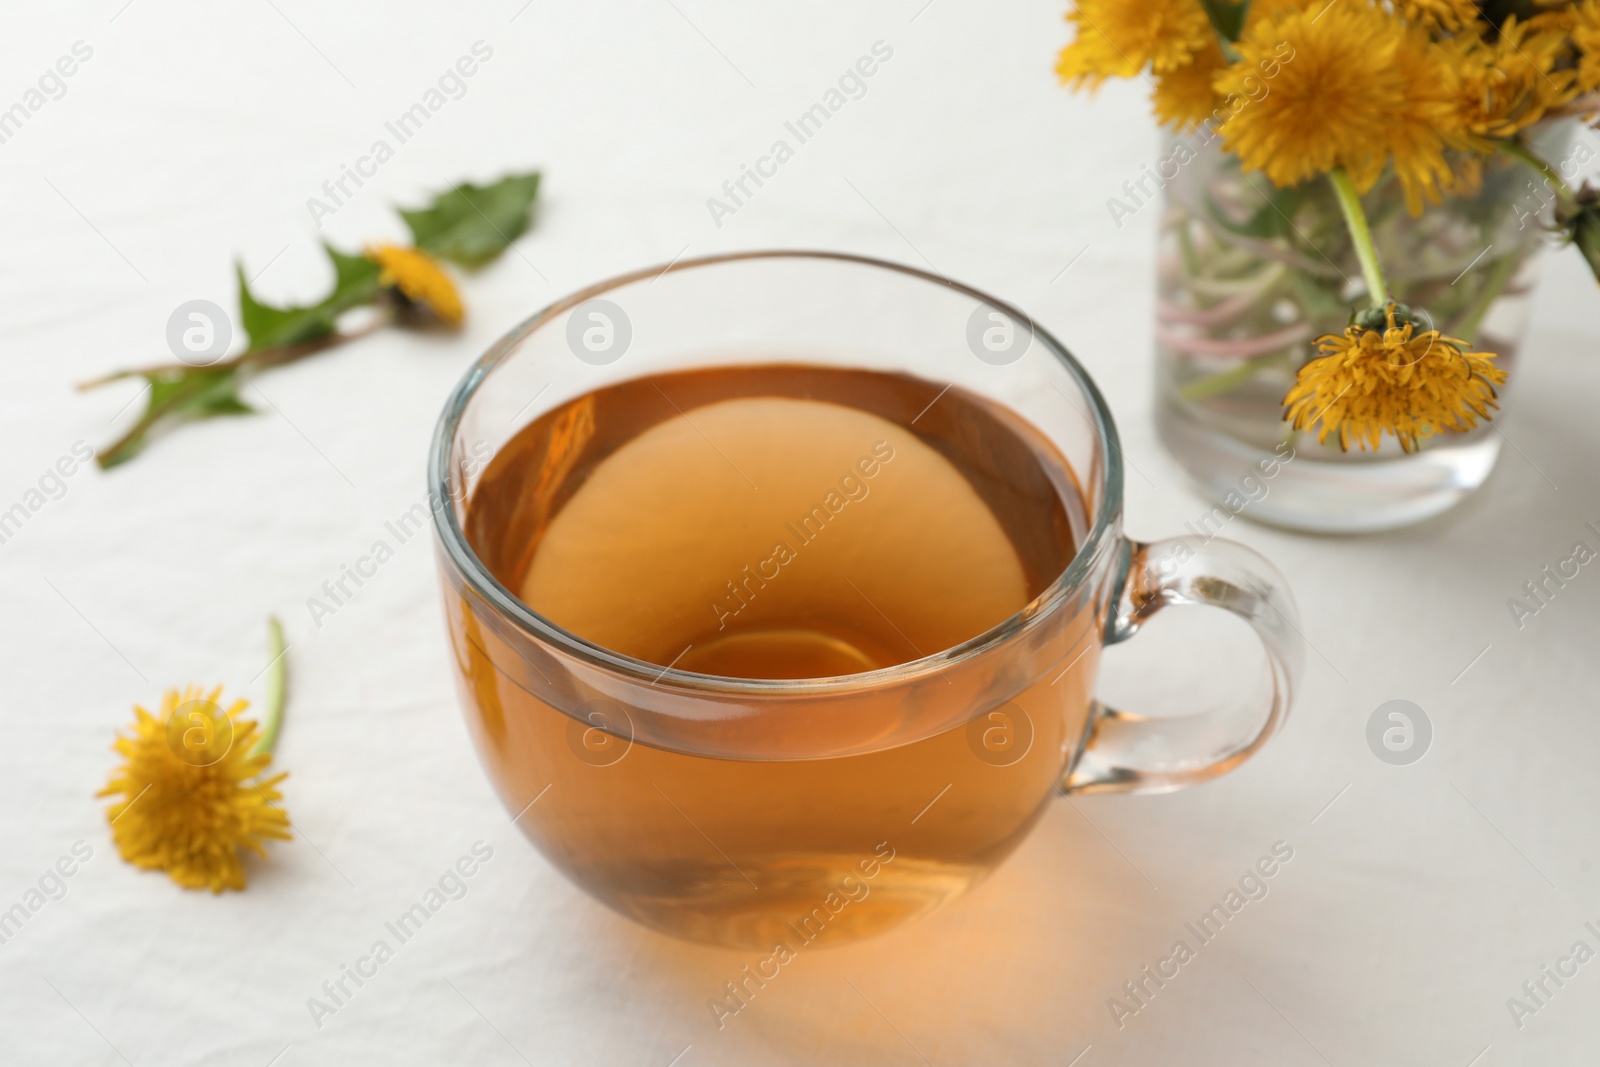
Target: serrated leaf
x,y
189,394
355,282
471,225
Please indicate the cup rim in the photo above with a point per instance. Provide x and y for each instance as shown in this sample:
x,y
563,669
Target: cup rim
x,y
452,537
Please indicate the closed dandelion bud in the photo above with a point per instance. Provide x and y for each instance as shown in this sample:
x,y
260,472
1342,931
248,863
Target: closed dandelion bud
x,y
1579,225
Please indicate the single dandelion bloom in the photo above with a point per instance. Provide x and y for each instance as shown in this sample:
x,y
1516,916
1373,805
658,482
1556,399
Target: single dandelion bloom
x,y
1381,376
1118,39
1499,87
193,793
1338,81
420,280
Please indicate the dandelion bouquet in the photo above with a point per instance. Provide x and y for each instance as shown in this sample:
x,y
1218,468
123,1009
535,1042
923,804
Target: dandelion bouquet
x,y
1354,188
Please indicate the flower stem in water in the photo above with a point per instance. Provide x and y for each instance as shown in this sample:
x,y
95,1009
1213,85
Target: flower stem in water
x,y
1361,234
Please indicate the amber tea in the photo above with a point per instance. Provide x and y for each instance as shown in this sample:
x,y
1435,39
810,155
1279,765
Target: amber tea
x,y
777,522
783,522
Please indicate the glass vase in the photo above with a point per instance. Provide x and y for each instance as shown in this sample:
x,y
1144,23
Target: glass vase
x,y
1250,275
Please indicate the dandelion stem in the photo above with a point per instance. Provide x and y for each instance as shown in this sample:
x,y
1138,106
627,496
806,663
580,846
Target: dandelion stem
x,y
277,688
261,357
1518,150
1360,234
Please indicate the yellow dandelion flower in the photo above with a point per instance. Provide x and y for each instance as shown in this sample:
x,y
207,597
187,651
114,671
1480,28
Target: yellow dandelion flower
x,y
1183,96
1410,135
420,279
1371,381
1186,95
192,792
1502,86
1117,39
1585,29
1448,15
1327,104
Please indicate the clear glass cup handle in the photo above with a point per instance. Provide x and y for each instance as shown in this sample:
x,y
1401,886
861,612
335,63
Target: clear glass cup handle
x,y
1126,753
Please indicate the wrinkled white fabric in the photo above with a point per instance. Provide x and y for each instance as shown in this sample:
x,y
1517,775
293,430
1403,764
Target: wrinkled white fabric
x,y
1418,899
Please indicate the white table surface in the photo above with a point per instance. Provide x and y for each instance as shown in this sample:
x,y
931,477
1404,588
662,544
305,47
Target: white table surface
x,y
1415,904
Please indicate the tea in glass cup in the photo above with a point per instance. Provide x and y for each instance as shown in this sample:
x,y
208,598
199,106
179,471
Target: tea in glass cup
x,y
777,610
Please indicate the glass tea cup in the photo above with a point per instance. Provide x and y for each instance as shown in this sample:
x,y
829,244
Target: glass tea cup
x,y
768,812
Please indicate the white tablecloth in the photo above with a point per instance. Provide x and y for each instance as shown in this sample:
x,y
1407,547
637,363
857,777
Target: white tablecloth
x,y
1417,901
